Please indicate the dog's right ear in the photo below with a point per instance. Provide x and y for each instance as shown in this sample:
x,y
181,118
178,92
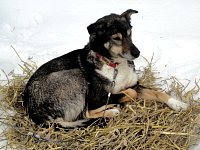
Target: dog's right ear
x,y
96,28
127,14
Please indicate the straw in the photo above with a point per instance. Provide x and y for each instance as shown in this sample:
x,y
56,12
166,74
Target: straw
x,y
140,125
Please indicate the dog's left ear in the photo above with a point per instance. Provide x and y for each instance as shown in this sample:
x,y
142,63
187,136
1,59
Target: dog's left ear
x,y
91,28
97,26
127,14
94,27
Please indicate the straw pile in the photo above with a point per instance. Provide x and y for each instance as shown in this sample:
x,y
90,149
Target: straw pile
x,y
141,124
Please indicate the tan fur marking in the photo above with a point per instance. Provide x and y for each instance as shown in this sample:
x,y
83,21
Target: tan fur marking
x,y
102,108
125,46
116,49
104,111
130,93
148,94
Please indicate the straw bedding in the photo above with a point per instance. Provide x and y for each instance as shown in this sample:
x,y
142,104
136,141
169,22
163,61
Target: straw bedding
x,y
141,124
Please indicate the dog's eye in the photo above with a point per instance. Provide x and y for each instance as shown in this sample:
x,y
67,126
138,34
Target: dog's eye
x,y
117,38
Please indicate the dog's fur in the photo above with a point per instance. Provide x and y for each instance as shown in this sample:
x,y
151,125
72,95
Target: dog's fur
x,y
73,88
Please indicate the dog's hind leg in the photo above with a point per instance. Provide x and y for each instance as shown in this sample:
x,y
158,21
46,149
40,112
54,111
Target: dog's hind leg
x,y
105,111
148,94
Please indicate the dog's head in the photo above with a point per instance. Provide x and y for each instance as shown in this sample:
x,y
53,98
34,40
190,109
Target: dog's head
x,y
111,36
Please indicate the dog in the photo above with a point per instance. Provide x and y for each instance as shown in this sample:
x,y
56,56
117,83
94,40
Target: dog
x,y
90,83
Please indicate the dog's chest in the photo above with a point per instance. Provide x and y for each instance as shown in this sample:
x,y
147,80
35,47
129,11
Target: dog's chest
x,y
126,76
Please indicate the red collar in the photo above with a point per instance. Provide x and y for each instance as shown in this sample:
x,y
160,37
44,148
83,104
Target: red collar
x,y
106,61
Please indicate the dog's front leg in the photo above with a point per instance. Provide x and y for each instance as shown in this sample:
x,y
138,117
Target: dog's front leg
x,y
110,110
148,94
129,94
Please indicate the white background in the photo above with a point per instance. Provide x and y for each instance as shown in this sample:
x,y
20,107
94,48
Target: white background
x,y
45,29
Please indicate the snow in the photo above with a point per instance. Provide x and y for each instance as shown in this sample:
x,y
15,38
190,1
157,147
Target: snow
x,y
46,29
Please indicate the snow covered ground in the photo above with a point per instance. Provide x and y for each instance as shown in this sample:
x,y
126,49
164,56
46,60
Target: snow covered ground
x,y
47,29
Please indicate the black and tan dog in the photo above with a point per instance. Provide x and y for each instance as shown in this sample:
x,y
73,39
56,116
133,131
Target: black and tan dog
x,y
73,88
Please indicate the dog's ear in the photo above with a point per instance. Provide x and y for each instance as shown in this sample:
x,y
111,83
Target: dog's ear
x,y
98,28
127,14
91,28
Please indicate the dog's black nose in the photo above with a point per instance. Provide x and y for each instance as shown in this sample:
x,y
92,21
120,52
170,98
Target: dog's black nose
x,y
135,52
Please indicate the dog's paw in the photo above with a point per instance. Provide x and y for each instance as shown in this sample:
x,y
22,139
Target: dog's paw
x,y
112,112
115,111
176,104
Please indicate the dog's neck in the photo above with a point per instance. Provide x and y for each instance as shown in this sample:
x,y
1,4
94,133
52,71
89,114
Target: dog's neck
x,y
99,60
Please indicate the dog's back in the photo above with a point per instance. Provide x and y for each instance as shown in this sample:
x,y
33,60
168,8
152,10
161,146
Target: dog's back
x,y
47,90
